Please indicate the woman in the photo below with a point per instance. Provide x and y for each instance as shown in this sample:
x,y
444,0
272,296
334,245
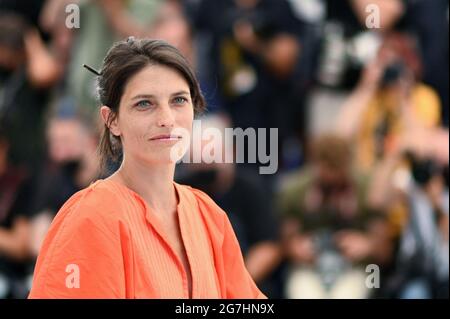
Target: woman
x,y
138,234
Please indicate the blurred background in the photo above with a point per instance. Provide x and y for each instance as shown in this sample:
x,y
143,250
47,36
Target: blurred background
x,y
359,206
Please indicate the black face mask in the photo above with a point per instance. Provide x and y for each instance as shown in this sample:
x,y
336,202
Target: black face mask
x,y
70,168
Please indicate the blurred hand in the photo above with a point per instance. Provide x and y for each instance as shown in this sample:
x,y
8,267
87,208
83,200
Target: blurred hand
x,y
434,190
440,145
246,37
43,69
52,13
416,141
300,249
372,74
354,245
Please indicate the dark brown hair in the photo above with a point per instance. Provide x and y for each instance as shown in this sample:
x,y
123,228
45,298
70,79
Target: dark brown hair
x,y
125,59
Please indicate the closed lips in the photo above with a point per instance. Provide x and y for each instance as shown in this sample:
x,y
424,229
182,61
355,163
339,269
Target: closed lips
x,y
166,137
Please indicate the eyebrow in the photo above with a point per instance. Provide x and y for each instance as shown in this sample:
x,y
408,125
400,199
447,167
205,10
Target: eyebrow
x,y
147,96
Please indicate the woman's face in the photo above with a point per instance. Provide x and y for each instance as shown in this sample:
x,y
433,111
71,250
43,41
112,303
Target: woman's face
x,y
155,116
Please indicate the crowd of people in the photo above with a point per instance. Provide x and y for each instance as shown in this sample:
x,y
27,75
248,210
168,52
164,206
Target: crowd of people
x,y
361,113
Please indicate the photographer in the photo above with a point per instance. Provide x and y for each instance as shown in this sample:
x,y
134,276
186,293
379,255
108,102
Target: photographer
x,y
348,41
255,54
330,231
417,171
388,99
27,73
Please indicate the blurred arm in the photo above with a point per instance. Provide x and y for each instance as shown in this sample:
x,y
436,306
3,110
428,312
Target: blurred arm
x,y
351,113
14,242
119,20
262,259
43,68
374,244
422,142
381,191
299,248
280,54
39,227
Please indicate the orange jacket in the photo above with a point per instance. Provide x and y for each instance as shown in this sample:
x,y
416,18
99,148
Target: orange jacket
x,y
106,243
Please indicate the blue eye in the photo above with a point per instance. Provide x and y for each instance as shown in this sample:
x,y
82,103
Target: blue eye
x,y
180,100
143,104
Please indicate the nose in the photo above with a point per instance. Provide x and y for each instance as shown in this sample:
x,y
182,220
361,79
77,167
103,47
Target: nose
x,y
165,117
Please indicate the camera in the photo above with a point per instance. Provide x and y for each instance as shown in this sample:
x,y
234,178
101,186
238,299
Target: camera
x,y
424,169
393,73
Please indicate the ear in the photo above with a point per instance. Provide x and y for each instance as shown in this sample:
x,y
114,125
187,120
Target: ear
x,y
113,126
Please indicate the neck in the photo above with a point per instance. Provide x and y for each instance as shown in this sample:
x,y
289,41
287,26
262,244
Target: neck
x,y
154,184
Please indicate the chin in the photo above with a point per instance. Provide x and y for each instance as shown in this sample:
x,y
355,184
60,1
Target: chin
x,y
163,155
161,159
